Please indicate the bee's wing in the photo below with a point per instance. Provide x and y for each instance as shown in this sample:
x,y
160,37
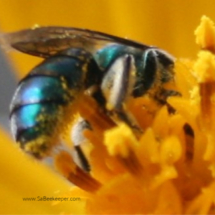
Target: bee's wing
x,y
47,41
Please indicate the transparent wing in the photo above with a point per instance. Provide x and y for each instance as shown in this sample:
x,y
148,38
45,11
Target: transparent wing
x,y
47,41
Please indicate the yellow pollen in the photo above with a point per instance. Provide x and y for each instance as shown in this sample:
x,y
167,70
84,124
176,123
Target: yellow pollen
x,y
120,146
205,34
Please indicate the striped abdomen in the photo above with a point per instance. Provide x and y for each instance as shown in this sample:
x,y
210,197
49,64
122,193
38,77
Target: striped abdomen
x,y
44,101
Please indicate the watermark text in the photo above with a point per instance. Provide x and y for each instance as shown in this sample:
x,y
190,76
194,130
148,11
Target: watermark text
x,y
45,198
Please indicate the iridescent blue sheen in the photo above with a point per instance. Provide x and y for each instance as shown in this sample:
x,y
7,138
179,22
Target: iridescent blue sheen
x,y
39,89
145,64
34,118
105,56
49,87
61,66
27,114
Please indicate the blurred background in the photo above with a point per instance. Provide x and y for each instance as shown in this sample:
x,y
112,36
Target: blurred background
x,y
167,24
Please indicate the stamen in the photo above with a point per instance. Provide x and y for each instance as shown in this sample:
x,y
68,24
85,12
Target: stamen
x,y
207,90
204,68
132,164
93,114
123,149
189,141
66,166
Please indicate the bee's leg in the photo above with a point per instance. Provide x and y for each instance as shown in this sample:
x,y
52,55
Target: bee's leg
x,y
117,86
83,160
162,97
78,140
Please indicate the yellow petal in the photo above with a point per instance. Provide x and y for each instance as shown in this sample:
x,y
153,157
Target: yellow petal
x,y
22,177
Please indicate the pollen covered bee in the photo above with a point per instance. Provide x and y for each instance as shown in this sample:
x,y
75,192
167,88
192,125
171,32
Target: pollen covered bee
x,y
76,60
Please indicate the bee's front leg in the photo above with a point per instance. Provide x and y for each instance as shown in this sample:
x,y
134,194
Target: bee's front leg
x,y
117,86
164,94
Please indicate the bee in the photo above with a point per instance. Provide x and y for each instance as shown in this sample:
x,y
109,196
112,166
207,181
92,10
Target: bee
x,y
76,60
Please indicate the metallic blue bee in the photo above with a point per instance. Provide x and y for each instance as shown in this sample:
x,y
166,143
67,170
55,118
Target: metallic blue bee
x,y
74,61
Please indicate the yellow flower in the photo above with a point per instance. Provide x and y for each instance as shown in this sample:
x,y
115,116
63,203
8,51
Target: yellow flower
x,y
168,169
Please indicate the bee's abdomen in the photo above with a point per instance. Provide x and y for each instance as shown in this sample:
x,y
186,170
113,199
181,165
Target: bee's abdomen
x,y
35,105
39,108
34,123
40,89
